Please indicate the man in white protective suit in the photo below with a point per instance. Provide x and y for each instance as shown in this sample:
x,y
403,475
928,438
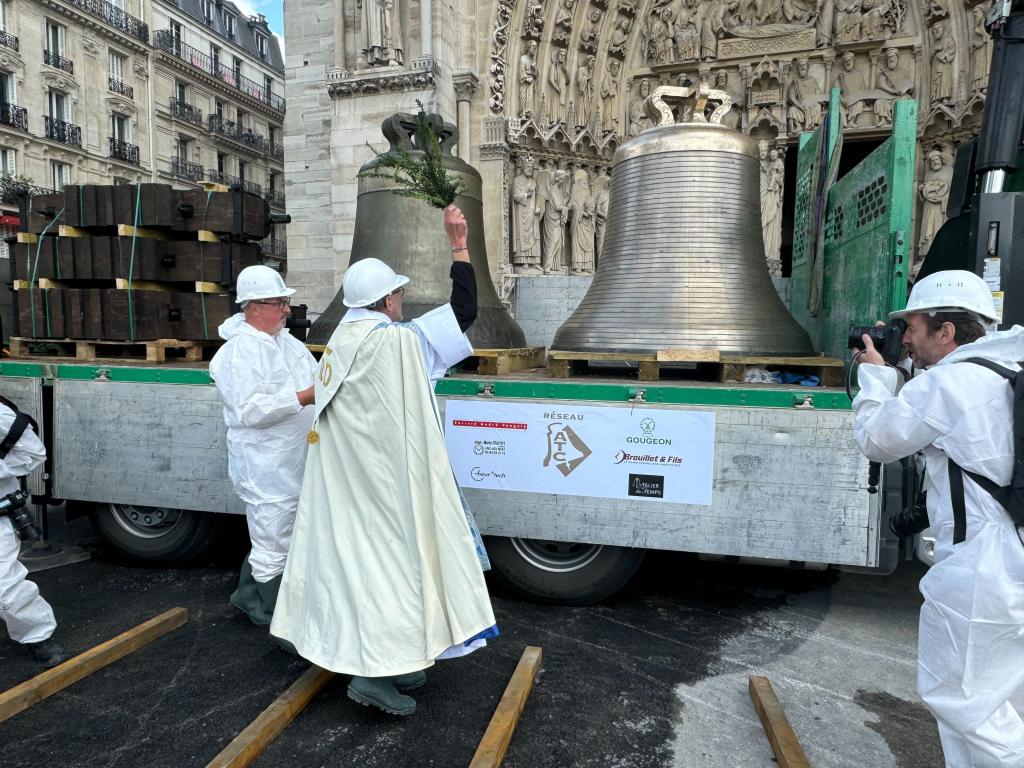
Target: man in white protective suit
x,y
265,377
29,618
385,573
958,413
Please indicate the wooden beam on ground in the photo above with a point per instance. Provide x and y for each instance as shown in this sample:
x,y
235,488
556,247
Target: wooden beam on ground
x,y
251,742
688,355
21,697
491,750
785,744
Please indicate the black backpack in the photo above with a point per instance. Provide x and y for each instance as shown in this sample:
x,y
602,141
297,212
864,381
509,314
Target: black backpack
x,y
21,422
1010,497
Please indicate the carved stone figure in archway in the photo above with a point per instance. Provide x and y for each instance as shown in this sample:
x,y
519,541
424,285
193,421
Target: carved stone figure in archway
x,y
686,32
733,116
658,36
981,51
849,21
639,120
382,33
619,38
894,78
558,80
713,26
591,31
853,85
772,176
934,191
563,23
609,95
602,190
528,79
803,112
526,219
943,74
556,215
823,23
581,222
876,26
585,91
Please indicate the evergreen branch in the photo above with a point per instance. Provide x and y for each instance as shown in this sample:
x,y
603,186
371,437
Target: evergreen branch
x,y
423,178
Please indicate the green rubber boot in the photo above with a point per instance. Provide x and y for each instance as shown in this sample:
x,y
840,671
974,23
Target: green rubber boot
x,y
256,600
410,682
381,692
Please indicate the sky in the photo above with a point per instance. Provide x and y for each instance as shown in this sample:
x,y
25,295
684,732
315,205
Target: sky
x,y
272,9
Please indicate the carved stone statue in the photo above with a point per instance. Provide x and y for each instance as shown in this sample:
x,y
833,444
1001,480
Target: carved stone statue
x,y
590,31
658,36
526,219
527,79
732,117
563,23
533,22
619,38
558,80
849,21
686,32
602,190
581,223
943,74
793,12
981,51
853,85
803,111
713,26
772,176
894,79
382,33
876,27
823,23
609,95
585,91
934,191
639,120
556,215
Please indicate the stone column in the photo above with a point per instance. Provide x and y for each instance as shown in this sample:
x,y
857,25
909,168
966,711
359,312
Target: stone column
x,y
339,35
426,29
465,84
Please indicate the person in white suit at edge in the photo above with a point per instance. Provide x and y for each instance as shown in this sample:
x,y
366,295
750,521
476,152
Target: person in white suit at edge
x,y
958,413
385,573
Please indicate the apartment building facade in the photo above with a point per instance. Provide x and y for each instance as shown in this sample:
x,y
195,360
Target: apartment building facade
x,y
176,91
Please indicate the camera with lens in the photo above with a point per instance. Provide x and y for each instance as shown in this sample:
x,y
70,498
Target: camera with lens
x,y
912,519
888,339
15,506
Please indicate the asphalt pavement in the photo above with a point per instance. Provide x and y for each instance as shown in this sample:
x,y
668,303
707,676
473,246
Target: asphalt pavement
x,y
656,676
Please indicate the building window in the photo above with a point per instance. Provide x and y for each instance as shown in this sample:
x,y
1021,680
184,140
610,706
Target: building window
x,y
222,162
272,181
215,57
60,174
176,34
181,91
229,24
8,162
181,145
116,65
8,92
55,40
207,7
242,166
120,181
60,106
121,128
261,45
236,68
268,86
242,121
220,111
3,16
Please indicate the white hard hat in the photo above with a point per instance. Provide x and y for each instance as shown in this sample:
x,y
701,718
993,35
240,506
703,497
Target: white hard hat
x,y
260,282
368,280
951,291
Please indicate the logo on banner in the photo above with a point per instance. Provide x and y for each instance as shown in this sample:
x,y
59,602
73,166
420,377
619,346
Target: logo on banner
x,y
647,486
489,447
566,449
647,426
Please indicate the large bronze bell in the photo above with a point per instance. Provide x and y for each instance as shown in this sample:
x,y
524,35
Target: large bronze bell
x,y
407,235
683,264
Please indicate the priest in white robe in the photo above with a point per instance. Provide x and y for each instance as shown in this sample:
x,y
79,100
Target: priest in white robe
x,y
385,571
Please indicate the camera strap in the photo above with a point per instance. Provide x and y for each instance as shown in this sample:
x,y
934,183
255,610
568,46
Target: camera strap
x,y
21,423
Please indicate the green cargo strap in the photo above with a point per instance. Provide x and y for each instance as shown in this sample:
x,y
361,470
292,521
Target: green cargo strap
x,y
34,271
131,263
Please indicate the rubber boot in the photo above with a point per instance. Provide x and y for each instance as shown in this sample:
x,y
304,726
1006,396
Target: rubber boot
x,y
411,681
380,692
47,653
249,598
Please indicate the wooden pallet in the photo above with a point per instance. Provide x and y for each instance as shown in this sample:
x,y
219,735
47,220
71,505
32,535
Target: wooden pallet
x,y
497,362
706,363
154,351
122,284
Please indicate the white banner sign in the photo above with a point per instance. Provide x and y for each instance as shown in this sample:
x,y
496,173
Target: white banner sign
x,y
611,452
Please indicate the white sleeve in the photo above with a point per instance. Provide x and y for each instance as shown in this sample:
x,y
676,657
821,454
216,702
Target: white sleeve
x,y
887,426
443,342
27,454
257,392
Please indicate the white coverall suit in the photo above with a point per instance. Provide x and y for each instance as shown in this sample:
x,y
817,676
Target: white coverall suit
x,y
258,376
971,637
28,616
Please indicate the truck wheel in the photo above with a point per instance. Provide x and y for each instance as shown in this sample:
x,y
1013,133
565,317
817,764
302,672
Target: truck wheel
x,y
561,572
156,534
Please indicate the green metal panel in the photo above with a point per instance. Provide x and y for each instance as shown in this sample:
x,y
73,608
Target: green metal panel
x,y
807,164
21,369
867,236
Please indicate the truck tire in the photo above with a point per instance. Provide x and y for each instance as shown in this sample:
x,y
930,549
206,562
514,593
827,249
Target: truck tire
x,y
561,573
156,534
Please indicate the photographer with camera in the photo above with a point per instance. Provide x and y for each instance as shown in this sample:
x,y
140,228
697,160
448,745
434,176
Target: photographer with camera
x,y
28,617
959,413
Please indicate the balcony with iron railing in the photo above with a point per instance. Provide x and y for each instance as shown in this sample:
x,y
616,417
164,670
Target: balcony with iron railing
x,y
122,150
11,187
9,41
62,131
58,61
274,247
237,133
234,181
182,110
14,116
275,151
275,197
186,170
116,86
165,40
114,16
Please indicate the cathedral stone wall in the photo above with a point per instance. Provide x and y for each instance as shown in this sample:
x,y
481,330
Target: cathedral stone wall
x,y
544,91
